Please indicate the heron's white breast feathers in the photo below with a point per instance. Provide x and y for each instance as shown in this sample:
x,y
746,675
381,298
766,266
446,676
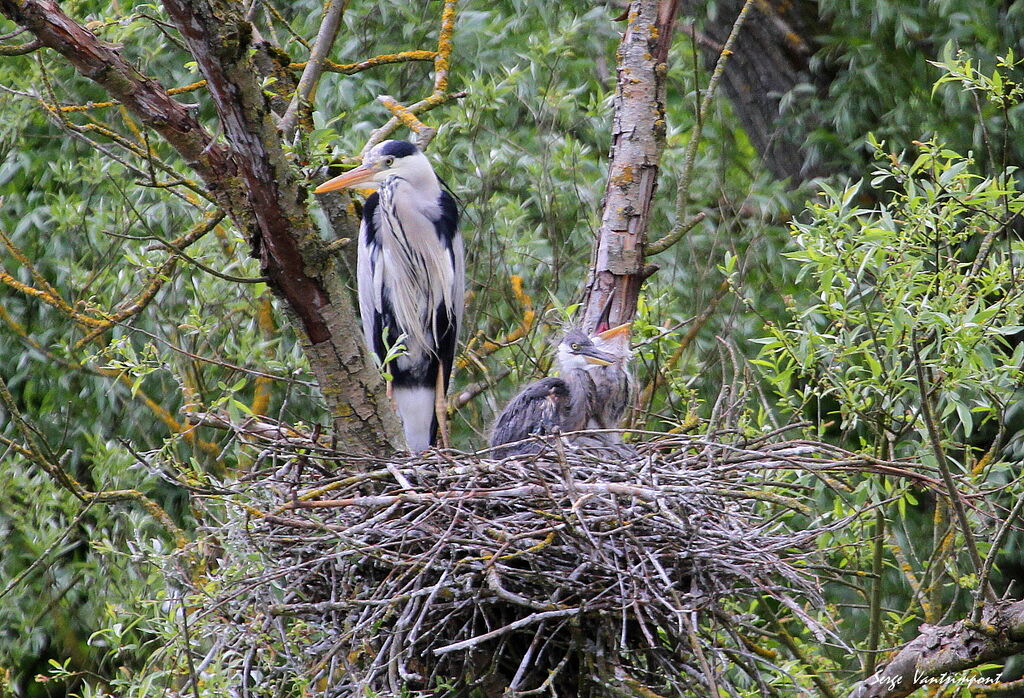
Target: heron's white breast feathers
x,y
414,266
416,408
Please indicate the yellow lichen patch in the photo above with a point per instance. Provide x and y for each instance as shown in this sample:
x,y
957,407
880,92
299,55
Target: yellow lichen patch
x,y
793,39
351,68
187,88
444,46
265,321
623,178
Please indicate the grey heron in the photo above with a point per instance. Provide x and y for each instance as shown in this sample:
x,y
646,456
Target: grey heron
x,y
574,400
612,384
411,279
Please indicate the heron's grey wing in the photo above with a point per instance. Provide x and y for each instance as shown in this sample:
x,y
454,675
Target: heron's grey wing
x,y
538,409
448,228
368,278
460,281
450,322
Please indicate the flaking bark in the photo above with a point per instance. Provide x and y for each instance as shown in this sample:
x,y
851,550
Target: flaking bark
x,y
638,138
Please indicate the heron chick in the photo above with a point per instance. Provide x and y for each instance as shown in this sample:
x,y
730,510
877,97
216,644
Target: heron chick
x,y
613,384
577,399
411,279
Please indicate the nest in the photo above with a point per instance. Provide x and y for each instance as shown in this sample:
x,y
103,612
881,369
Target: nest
x,y
566,572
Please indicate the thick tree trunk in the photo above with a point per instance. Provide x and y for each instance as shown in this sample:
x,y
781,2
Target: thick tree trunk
x,y
770,57
638,138
253,182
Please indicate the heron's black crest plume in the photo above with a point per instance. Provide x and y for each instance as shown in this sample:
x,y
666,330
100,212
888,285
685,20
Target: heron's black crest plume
x,y
399,149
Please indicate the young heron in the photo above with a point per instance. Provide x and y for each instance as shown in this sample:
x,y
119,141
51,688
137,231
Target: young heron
x,y
613,384
411,279
585,395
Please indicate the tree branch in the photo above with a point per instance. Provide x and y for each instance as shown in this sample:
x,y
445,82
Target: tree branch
x,y
314,67
145,97
439,95
947,477
20,49
683,224
948,649
39,453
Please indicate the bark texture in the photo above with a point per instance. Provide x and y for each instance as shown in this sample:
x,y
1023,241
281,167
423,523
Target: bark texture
x,y
771,56
253,182
948,649
638,138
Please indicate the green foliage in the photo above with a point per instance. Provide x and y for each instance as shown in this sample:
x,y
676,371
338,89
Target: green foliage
x,y
921,257
877,59
927,274
915,301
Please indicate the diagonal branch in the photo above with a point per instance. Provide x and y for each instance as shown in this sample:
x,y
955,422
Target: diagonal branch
x,y
438,96
39,453
20,49
314,67
145,97
683,224
953,493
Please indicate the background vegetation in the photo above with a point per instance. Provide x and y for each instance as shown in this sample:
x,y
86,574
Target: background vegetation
x,y
837,302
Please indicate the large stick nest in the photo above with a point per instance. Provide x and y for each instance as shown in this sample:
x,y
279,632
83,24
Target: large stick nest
x,y
570,572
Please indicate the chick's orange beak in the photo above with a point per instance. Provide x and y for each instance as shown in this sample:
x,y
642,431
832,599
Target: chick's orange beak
x,y
349,179
615,331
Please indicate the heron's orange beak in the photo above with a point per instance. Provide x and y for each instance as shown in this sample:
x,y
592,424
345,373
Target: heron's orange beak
x,y
349,179
615,331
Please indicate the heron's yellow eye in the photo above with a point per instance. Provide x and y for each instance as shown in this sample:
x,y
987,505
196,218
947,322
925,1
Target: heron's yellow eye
x,y
575,347
389,161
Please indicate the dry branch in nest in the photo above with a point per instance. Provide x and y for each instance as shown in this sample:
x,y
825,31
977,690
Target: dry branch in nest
x,y
566,572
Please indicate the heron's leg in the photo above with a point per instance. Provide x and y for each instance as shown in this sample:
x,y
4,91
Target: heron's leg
x,y
441,408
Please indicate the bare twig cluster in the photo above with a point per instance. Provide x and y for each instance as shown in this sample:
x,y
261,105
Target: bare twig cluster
x,y
565,572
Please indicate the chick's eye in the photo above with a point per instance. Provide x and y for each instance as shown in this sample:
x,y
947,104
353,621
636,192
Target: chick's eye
x,y
389,161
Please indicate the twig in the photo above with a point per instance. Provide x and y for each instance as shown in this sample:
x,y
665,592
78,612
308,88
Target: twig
x,y
20,49
439,95
497,632
952,492
995,550
683,224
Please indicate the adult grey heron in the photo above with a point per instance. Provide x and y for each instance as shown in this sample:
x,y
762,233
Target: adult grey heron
x,y
411,279
570,402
